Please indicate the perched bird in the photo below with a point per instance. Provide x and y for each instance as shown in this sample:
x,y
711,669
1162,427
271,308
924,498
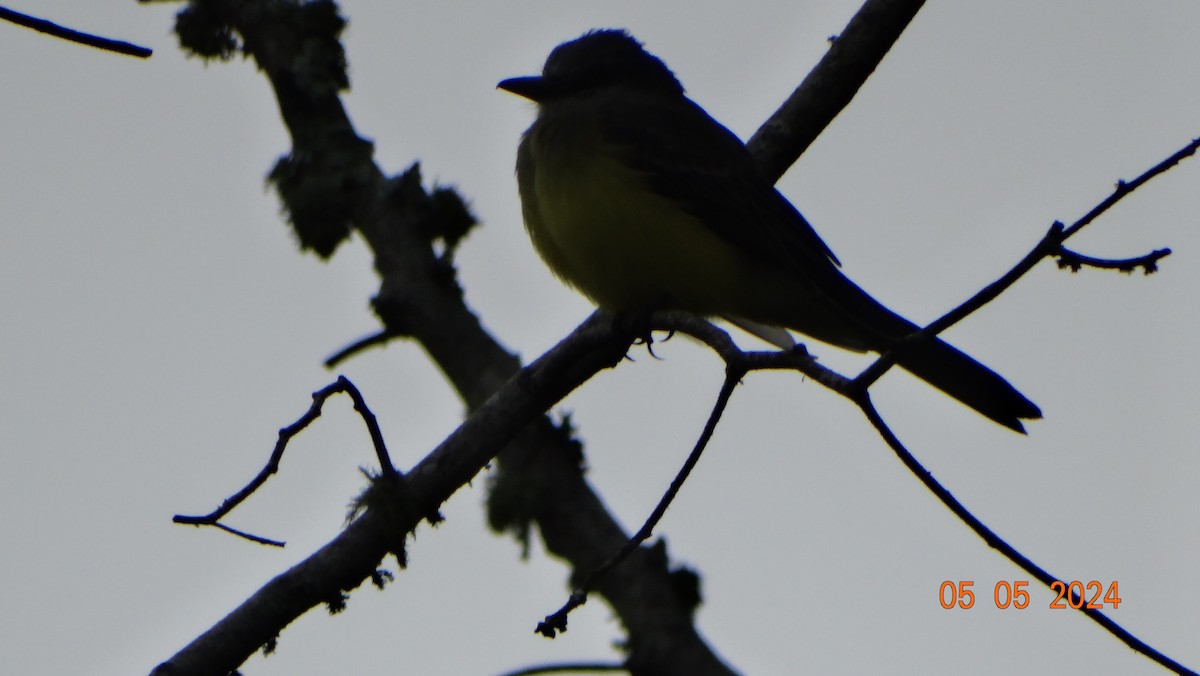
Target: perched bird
x,y
639,199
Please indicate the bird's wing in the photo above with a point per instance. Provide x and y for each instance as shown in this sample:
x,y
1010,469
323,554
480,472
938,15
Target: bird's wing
x,y
716,179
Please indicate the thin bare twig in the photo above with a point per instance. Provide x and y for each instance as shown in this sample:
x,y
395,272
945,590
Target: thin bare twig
x,y
71,35
568,668
342,384
362,344
1050,245
557,621
1075,261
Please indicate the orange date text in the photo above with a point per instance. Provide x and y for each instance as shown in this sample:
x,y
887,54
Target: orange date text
x,y
1092,595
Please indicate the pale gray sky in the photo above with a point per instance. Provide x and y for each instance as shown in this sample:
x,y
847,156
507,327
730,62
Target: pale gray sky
x,y
157,326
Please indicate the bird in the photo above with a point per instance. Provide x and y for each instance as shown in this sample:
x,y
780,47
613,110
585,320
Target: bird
x,y
636,197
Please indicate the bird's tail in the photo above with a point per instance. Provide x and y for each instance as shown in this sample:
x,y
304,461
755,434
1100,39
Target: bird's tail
x,y
958,375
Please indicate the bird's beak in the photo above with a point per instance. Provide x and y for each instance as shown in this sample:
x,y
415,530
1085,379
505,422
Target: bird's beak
x,y
532,87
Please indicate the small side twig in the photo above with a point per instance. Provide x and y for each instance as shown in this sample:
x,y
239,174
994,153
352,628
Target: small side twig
x,y
1076,261
71,35
243,534
1123,188
568,668
360,345
341,385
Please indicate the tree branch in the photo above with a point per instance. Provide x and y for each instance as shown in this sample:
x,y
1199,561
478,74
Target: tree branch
x,y
330,184
831,84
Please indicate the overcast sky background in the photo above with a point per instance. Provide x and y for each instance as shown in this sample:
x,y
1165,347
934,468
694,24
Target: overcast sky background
x,y
157,326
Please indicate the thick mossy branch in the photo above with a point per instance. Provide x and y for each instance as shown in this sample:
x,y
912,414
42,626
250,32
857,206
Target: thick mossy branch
x,y
318,186
203,32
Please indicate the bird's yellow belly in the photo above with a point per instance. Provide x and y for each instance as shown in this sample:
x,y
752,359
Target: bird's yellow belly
x,y
628,249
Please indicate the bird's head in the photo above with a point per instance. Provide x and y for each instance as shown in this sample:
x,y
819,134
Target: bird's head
x,y
596,61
